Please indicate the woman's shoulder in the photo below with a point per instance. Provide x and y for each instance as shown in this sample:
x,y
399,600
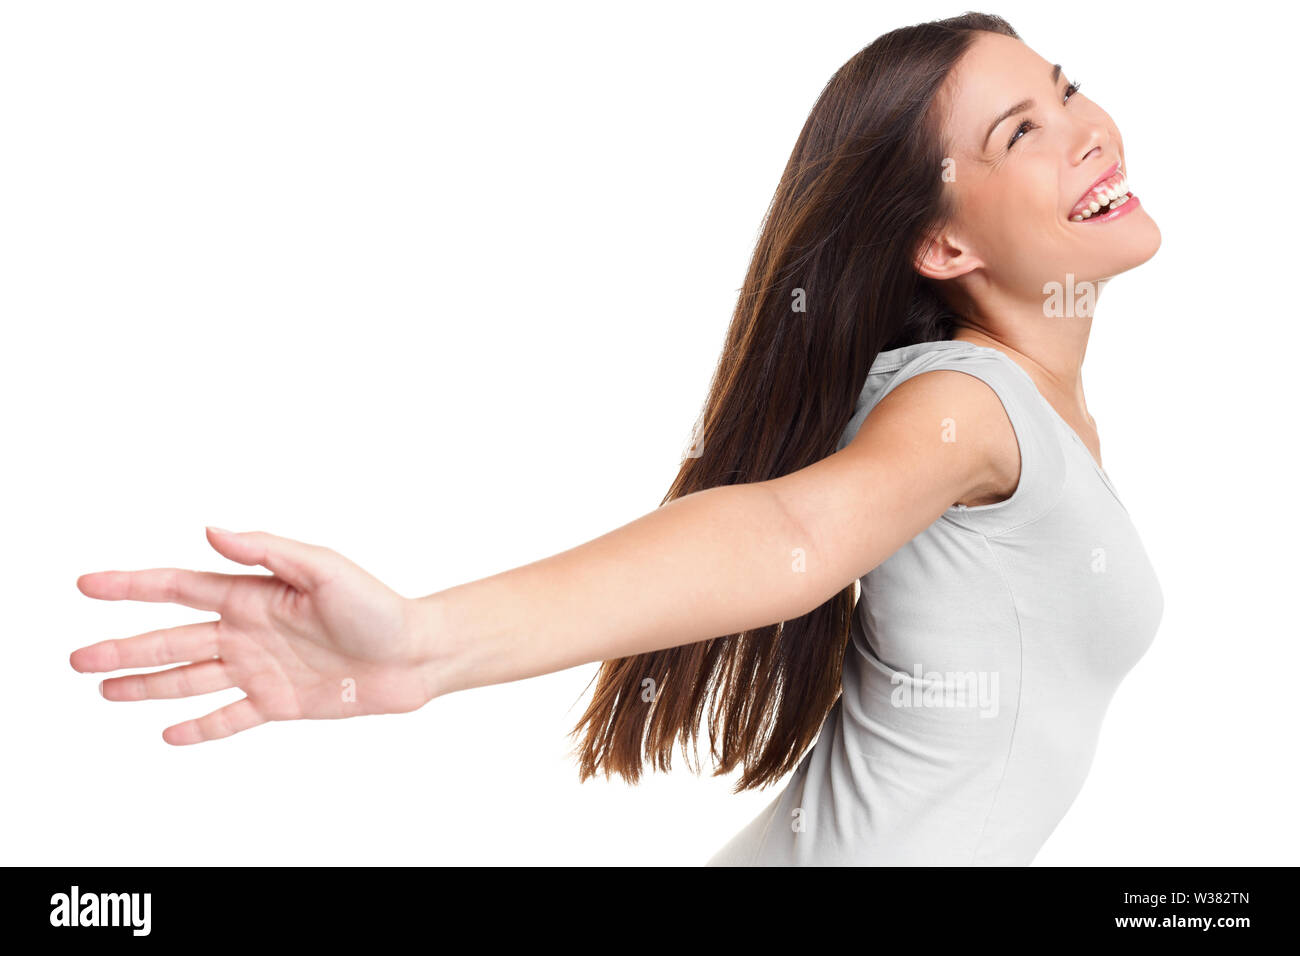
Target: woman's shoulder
x,y
992,401
894,367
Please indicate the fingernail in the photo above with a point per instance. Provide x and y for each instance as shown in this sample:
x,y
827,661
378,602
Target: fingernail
x,y
219,530
101,688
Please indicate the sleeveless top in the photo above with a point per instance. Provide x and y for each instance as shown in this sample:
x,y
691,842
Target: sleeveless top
x,y
981,659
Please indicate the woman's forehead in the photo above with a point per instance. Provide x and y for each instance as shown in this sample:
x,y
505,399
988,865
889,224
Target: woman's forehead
x,y
996,73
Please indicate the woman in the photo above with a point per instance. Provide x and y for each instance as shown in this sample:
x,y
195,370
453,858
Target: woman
x,y
898,413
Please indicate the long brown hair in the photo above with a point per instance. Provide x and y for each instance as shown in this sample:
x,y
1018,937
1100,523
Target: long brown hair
x,y
862,187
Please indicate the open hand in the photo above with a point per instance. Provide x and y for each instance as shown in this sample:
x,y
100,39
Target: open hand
x,y
317,638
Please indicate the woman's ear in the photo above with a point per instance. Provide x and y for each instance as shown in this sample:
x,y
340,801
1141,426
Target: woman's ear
x,y
943,256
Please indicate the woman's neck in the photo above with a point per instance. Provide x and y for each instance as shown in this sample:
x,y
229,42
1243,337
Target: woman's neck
x,y
1054,361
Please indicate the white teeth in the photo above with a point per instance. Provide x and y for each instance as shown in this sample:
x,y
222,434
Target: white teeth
x,y
1110,196
1107,193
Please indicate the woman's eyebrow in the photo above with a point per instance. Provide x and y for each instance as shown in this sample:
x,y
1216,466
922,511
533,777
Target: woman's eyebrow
x,y
1019,107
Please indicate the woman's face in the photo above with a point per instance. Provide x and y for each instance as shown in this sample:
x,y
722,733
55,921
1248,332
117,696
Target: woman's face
x,y
1024,149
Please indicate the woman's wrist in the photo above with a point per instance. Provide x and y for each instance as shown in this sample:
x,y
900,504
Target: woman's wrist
x,y
427,639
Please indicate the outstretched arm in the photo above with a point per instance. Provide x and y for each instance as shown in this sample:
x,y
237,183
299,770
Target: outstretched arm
x,y
321,638
730,558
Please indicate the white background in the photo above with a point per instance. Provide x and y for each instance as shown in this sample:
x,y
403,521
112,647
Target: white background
x,y
441,287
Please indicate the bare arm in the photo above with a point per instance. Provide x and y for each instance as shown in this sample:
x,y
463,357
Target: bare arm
x,y
321,638
730,558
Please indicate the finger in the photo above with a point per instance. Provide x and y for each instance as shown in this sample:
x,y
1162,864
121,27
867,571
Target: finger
x,y
205,590
302,565
205,677
172,645
228,720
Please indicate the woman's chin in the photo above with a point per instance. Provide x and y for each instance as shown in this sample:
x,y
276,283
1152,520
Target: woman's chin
x,y
1143,243
1155,238
1130,249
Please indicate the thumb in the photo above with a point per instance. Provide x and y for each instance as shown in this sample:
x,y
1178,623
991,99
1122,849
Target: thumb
x,y
305,566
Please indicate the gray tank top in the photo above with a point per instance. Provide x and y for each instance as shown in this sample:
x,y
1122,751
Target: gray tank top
x,y
981,660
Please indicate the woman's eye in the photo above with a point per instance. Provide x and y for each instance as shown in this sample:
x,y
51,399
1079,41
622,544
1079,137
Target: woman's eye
x,y
1025,125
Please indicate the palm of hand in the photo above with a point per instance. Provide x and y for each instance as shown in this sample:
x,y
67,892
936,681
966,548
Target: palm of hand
x,y
321,638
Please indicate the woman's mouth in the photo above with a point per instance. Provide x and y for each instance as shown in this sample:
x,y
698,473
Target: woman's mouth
x,y
1104,199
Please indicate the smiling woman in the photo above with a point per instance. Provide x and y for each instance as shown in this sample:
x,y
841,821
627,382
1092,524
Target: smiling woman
x,y
892,564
